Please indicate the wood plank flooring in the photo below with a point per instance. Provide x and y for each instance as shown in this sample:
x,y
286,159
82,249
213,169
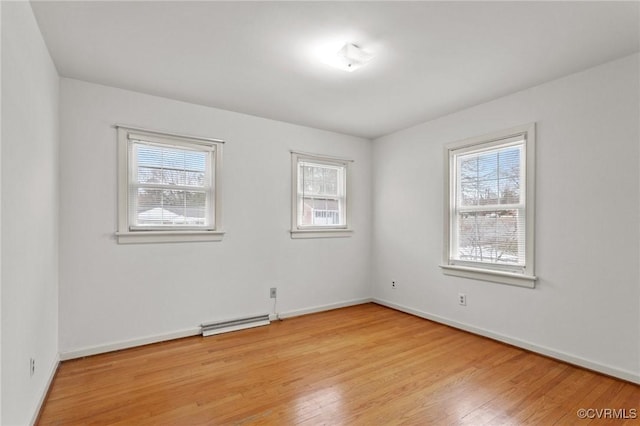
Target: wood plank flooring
x,y
362,365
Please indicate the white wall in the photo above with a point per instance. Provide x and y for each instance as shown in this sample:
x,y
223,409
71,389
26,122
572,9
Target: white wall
x,y
0,218
111,293
585,306
29,224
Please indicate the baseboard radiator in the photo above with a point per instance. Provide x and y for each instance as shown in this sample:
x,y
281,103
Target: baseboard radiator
x,y
233,325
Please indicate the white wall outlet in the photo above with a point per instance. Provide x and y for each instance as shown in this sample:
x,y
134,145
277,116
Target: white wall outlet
x,y
32,367
462,299
273,292
394,285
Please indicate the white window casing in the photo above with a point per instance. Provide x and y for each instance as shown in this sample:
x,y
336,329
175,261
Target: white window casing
x,y
489,207
168,187
319,196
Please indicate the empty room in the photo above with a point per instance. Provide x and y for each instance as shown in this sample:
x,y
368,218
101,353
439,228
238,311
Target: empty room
x,y
320,213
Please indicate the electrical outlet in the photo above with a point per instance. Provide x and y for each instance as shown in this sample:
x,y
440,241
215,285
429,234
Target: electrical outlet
x,y
273,292
32,367
462,299
393,285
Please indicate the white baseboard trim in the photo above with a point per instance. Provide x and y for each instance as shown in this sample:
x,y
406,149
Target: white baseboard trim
x,y
322,308
126,344
552,353
43,395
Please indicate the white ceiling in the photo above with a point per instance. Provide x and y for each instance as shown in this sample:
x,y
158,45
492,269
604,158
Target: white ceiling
x,y
432,58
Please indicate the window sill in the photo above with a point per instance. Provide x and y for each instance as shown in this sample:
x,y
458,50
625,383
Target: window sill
x,y
145,237
500,277
321,233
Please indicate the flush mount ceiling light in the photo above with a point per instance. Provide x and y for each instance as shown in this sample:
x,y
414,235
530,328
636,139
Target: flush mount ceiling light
x,y
351,57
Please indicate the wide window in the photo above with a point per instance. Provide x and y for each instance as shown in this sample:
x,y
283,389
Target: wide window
x,y
489,207
168,187
319,196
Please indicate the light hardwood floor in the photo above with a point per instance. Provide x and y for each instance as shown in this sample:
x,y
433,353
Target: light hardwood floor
x,y
362,365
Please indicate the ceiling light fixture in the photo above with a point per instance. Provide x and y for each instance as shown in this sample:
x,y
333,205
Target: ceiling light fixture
x,y
351,57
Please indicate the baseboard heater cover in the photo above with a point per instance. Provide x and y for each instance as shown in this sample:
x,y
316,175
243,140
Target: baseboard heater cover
x,y
212,328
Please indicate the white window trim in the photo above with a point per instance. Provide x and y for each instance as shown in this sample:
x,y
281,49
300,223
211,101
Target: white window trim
x,y
319,232
527,278
126,235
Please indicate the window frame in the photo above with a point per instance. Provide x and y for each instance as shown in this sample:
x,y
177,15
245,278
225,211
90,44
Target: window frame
x,y
504,274
320,231
128,232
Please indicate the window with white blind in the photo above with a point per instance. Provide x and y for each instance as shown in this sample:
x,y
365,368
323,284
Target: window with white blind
x,y
319,196
169,187
489,207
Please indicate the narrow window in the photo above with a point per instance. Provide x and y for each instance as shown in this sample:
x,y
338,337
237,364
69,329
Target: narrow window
x,y
489,207
319,196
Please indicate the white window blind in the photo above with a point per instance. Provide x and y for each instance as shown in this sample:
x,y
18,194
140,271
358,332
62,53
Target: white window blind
x,y
170,186
489,206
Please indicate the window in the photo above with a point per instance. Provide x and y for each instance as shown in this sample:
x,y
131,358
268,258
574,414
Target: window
x,y
168,187
319,196
489,207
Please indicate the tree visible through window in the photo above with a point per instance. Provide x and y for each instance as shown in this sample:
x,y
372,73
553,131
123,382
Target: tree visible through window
x,y
168,187
489,205
490,213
